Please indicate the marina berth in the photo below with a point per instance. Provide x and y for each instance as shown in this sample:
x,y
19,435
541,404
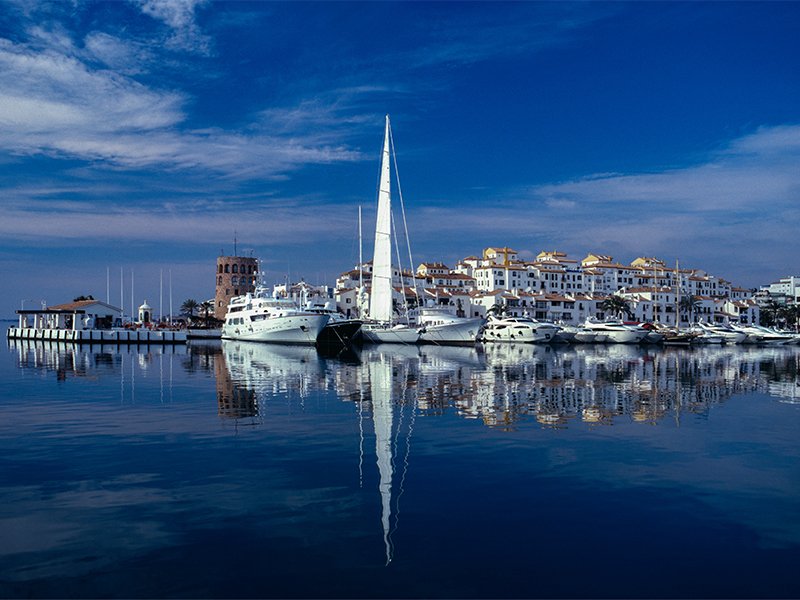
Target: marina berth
x,y
259,317
90,322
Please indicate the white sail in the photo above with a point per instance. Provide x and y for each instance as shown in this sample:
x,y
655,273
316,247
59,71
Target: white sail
x,y
380,304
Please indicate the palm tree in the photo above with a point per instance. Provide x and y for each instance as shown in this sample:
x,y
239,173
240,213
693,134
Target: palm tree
x,y
188,307
769,312
496,310
617,306
690,305
787,315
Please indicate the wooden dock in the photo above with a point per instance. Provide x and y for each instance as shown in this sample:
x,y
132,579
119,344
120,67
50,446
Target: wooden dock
x,y
99,336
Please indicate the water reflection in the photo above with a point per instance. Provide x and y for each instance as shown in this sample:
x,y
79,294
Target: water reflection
x,y
387,429
502,385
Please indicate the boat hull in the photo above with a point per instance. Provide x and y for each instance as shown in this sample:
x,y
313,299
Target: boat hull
x,y
461,332
339,333
372,333
290,329
519,334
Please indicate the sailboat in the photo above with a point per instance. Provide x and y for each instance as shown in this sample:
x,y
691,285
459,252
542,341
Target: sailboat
x,y
382,327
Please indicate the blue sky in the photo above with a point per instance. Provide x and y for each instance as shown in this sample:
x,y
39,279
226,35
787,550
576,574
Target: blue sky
x,y
142,134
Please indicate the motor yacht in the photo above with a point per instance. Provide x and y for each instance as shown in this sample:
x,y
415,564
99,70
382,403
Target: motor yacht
x,y
518,329
617,332
260,317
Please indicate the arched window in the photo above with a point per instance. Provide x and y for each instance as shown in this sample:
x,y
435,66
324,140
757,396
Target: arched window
x,y
219,280
234,279
220,269
235,268
227,268
243,269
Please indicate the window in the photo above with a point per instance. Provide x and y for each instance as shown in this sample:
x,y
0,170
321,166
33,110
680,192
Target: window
x,y
219,280
227,268
220,269
235,268
234,279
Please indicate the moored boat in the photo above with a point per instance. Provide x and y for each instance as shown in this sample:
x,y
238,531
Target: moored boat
x,y
259,317
518,329
437,325
617,332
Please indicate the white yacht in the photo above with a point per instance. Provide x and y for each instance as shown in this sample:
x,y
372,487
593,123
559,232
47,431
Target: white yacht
x,y
438,325
705,336
728,334
518,329
617,332
258,317
381,327
768,337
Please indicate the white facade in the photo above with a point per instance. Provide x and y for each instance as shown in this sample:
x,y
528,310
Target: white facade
x,y
558,288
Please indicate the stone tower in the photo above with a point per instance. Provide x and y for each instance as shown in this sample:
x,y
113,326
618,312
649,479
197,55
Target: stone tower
x,y
236,275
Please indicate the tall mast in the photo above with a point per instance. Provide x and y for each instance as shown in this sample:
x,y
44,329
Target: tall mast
x,y
170,296
108,285
161,295
121,293
380,302
677,296
133,308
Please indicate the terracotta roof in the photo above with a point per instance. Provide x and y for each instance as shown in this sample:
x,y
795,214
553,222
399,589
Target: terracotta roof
x,y
81,304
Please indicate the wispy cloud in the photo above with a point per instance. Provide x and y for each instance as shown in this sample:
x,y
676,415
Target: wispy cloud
x,y
522,29
741,205
54,102
179,16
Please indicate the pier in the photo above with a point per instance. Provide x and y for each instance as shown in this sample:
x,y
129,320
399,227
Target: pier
x,y
71,323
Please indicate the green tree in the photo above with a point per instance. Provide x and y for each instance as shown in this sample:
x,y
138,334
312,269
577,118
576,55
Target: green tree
x,y
189,307
769,312
689,305
617,306
787,315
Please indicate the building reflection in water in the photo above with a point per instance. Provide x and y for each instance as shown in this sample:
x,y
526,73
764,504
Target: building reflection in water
x,y
502,386
506,385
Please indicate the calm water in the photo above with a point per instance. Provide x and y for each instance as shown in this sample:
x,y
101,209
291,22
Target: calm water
x,y
238,469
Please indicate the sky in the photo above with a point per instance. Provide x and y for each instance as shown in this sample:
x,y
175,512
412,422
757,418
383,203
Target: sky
x,y
140,138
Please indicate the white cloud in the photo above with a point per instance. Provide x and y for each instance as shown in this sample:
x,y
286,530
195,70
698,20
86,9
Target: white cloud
x,y
735,214
53,102
179,15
